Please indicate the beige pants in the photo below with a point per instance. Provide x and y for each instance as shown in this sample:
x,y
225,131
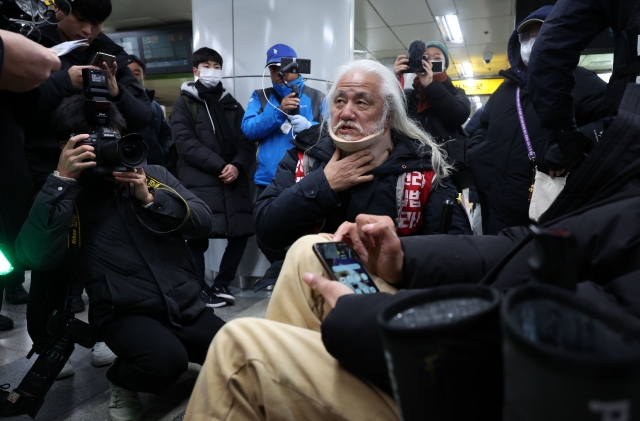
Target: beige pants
x,y
264,370
293,302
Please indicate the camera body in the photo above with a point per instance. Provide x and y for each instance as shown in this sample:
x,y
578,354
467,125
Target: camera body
x,y
487,56
113,152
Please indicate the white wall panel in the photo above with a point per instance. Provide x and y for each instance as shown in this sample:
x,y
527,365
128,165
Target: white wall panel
x,y
242,30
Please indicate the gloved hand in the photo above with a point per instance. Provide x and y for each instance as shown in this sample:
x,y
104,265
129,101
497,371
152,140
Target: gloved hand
x,y
299,123
573,145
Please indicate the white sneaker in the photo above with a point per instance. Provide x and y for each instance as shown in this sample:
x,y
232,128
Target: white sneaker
x,y
102,355
67,370
124,405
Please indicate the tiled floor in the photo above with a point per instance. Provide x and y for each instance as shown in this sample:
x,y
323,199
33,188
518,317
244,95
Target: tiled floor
x,y
85,395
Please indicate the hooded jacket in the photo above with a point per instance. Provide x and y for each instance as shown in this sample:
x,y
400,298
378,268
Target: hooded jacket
x,y
287,209
567,31
498,155
201,159
157,135
42,148
600,210
264,126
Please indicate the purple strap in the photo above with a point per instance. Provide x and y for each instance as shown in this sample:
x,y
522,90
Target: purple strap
x,y
523,125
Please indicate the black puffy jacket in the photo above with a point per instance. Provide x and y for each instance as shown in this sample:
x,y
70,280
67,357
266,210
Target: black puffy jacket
x,y
569,28
286,210
125,267
201,160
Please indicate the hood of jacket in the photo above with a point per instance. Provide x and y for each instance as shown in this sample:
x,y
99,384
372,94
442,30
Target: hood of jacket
x,y
513,48
189,88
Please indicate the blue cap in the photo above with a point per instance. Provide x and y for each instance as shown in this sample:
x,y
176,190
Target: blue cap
x,y
278,52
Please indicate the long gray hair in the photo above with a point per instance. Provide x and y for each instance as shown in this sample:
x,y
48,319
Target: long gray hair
x,y
394,108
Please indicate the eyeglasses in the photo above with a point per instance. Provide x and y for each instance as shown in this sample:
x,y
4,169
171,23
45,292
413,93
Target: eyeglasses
x,y
525,37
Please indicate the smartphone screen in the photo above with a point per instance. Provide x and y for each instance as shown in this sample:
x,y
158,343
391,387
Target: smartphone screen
x,y
344,264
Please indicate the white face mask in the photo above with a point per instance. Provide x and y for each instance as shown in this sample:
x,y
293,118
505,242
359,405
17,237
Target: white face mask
x,y
210,77
525,50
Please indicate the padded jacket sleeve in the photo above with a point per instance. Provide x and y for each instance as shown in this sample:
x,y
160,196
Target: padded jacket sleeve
x,y
286,210
43,240
246,149
260,125
451,109
189,147
568,29
481,132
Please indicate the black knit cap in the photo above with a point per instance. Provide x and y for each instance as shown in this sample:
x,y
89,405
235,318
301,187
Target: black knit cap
x,y
135,59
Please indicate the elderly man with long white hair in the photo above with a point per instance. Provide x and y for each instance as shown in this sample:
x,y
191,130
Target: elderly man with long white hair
x,y
368,157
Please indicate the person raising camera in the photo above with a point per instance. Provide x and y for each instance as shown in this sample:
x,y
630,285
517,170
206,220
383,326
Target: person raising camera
x,y
130,256
439,107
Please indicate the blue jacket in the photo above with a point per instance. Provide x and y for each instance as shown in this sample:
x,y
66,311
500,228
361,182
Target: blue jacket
x,y
265,127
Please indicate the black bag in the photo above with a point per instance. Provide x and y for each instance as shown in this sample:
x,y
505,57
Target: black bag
x,y
567,358
443,353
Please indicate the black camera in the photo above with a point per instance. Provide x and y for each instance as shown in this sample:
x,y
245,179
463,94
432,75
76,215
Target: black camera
x,y
66,331
113,152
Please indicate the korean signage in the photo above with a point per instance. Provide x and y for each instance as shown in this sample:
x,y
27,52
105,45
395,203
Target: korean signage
x,y
478,86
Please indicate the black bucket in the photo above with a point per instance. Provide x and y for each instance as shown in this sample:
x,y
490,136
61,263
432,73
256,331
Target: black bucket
x,y
567,359
443,351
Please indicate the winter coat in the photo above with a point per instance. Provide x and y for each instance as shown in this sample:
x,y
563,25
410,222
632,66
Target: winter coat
x,y
157,135
125,267
600,210
287,209
450,109
498,154
38,105
264,126
201,161
569,28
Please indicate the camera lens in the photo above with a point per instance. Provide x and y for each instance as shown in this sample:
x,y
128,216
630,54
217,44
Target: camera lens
x,y
132,150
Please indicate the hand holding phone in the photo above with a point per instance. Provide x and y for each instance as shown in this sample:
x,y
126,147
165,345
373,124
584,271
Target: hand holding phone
x,y
99,58
345,266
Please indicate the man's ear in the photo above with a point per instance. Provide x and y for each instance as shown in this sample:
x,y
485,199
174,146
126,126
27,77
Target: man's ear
x,y
62,144
195,69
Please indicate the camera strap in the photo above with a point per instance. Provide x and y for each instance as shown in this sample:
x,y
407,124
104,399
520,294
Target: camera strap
x,y
152,183
74,238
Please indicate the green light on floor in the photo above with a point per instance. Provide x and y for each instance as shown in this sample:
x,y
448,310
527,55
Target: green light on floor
x,y
5,266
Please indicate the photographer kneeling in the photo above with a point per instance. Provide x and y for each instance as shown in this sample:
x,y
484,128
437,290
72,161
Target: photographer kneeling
x,y
122,232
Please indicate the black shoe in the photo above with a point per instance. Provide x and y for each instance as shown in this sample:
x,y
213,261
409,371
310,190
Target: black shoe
x,y
224,293
5,323
15,294
76,304
212,301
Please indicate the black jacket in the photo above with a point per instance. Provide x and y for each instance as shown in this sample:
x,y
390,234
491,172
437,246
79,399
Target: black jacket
x,y
602,214
42,146
125,267
498,154
450,109
286,210
568,29
201,160
157,135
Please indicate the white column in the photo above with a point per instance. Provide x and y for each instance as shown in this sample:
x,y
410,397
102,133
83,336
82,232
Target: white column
x,y
242,30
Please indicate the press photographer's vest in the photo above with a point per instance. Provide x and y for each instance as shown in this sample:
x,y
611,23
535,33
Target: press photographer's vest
x,y
412,192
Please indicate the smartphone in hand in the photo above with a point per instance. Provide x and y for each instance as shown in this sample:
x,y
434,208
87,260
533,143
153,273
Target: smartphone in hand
x,y
103,57
345,266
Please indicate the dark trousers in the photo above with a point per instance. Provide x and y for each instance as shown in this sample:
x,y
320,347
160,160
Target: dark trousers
x,y
152,354
228,265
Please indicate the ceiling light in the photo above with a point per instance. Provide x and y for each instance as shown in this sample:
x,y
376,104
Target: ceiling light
x,y
464,69
450,28
476,99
